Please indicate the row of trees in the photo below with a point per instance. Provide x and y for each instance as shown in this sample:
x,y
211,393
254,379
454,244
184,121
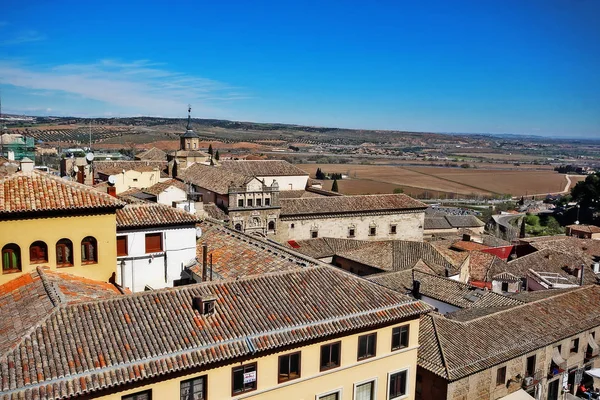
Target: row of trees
x,y
323,176
216,156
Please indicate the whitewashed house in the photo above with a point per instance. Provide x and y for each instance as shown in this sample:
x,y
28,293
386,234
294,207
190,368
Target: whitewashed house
x,y
154,244
167,192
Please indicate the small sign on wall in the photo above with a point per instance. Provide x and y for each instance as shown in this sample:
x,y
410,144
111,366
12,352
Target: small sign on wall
x,y
249,377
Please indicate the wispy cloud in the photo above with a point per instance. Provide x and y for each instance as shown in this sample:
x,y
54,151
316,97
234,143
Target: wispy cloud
x,y
141,86
23,37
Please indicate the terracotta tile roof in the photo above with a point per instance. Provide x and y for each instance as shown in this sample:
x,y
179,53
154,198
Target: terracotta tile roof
x,y
297,194
237,255
398,255
483,266
436,223
548,260
117,167
152,214
213,211
32,192
469,246
584,228
262,168
189,153
348,204
325,246
152,154
464,221
446,290
162,186
502,336
588,249
213,178
486,239
28,299
83,348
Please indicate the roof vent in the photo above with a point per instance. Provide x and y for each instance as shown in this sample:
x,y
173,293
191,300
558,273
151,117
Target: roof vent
x,y
205,305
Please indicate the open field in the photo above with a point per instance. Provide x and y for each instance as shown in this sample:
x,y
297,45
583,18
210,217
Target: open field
x,y
445,181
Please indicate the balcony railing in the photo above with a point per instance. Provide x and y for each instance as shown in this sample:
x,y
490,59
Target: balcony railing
x,y
531,380
556,369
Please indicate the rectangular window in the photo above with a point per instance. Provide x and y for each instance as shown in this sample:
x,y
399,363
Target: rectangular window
x,y
258,202
397,385
243,379
500,376
575,346
267,201
121,246
365,391
393,229
154,242
400,337
330,355
145,395
351,232
530,367
249,202
372,231
367,346
241,203
289,367
314,234
193,389
505,286
330,396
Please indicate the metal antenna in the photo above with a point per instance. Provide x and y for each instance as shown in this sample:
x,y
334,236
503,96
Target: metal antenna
x,y
90,135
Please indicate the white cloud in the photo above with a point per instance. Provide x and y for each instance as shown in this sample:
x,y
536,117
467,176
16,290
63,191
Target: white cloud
x,y
139,87
23,37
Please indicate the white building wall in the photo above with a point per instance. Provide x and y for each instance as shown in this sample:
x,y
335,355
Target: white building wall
x,y
286,182
409,226
171,194
140,269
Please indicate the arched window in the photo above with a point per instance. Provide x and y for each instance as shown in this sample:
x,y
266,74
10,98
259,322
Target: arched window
x,y
238,227
11,258
271,225
89,250
64,253
38,252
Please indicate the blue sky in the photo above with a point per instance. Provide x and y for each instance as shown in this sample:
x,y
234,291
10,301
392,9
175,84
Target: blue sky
x,y
505,66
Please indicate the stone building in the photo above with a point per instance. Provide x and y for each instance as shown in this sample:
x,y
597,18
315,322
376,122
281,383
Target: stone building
x,y
367,217
583,231
541,348
189,150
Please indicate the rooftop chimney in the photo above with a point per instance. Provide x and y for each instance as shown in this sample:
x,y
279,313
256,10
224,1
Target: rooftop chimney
x,y
26,165
205,305
112,191
416,290
466,237
204,261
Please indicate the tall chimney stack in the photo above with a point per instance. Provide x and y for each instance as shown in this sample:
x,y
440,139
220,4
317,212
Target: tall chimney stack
x,y
204,261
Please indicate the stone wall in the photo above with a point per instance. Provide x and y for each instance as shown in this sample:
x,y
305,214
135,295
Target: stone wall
x,y
409,226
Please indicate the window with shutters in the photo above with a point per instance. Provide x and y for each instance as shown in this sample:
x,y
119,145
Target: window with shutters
x,y
330,355
289,367
64,253
154,242
364,391
145,395
397,385
89,250
399,337
243,379
193,389
38,252
366,346
11,258
122,246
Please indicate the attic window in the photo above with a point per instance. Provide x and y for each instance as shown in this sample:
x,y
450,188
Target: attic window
x,y
205,305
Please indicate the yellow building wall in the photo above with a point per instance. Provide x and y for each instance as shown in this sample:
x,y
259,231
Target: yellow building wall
x,y
312,382
135,179
50,230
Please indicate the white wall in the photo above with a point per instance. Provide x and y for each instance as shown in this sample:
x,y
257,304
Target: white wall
x,y
171,194
286,182
443,308
141,269
409,226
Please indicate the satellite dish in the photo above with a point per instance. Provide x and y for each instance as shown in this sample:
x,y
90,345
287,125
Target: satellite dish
x,y
198,232
89,157
75,168
112,180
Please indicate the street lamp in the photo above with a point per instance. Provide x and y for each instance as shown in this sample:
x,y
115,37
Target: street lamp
x,y
577,222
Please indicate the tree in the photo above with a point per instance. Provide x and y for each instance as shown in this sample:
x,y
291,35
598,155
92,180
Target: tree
x,y
398,190
210,149
334,187
217,156
587,192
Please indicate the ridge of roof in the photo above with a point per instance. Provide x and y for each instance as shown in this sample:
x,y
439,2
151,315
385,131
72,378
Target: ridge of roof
x,y
137,215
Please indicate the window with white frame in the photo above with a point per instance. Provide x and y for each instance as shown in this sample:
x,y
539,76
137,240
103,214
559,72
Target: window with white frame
x,y
335,395
364,390
397,384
